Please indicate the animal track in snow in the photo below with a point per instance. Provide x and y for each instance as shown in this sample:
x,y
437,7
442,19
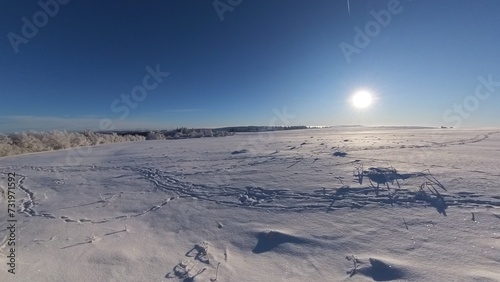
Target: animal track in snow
x,y
151,209
197,263
29,202
331,199
327,199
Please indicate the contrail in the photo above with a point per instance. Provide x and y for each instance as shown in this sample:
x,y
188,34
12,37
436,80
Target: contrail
x,y
348,7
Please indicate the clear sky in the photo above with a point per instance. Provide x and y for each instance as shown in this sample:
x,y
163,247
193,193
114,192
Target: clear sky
x,y
242,62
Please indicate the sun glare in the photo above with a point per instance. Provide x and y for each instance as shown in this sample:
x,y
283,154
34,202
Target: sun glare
x,y
362,99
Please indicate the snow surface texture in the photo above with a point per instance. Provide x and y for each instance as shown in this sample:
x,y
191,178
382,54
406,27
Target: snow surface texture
x,y
308,205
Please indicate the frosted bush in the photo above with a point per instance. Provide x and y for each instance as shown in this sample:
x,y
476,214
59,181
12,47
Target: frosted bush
x,y
29,142
152,135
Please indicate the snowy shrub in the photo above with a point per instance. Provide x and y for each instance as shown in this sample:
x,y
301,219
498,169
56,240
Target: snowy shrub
x,y
195,134
208,133
29,142
152,135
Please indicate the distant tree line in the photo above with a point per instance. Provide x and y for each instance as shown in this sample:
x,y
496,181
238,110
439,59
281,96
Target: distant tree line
x,y
261,128
184,132
178,133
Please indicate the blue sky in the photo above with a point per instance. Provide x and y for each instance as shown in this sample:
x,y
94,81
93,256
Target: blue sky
x,y
423,66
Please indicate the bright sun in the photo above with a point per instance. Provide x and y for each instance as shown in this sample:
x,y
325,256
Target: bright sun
x,y
362,99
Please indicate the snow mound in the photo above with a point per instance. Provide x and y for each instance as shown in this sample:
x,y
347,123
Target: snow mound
x,y
270,239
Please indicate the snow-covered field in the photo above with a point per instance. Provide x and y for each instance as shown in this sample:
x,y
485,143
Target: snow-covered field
x,y
279,206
